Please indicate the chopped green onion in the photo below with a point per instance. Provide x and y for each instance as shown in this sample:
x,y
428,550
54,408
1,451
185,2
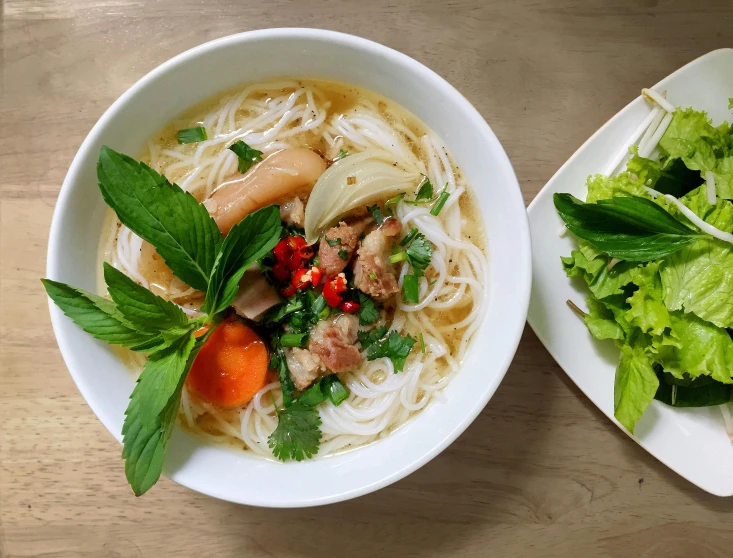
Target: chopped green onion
x,y
294,339
395,200
398,257
422,343
440,203
431,283
343,254
342,153
318,305
410,291
373,276
408,237
192,135
317,260
333,241
335,390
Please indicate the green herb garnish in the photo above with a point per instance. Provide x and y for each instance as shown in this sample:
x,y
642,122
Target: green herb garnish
x,y
342,153
333,241
628,228
425,192
368,311
394,347
377,214
294,339
247,155
189,241
192,135
409,236
343,254
368,338
442,198
410,290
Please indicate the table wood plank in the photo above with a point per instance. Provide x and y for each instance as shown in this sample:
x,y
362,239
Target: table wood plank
x,y
541,472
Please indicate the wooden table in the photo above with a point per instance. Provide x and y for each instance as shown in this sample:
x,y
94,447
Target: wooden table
x,y
540,473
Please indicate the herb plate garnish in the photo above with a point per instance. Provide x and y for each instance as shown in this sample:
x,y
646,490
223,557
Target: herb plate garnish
x,y
692,442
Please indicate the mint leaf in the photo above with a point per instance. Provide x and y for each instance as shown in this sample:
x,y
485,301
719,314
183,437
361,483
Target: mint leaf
x,y
96,315
160,377
247,242
145,310
394,347
247,155
298,433
628,228
634,386
144,436
179,228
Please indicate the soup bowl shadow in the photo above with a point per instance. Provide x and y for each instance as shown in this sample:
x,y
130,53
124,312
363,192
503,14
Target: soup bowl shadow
x,y
222,64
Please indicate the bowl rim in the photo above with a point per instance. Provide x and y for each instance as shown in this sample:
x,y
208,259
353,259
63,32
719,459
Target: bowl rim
x,y
521,279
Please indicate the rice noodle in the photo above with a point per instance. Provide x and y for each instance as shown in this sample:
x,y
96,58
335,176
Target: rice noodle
x,y
269,117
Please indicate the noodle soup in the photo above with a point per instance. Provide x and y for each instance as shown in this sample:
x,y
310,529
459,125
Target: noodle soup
x,y
391,255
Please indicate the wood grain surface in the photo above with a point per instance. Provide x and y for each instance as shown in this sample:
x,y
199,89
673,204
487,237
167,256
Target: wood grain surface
x,y
540,473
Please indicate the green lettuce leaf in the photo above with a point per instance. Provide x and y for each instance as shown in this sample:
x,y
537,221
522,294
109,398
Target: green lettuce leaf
x,y
693,139
675,179
724,178
592,266
701,349
634,386
647,311
601,187
601,321
699,278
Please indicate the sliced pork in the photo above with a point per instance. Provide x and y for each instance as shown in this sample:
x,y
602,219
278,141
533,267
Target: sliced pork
x,y
332,340
373,274
304,366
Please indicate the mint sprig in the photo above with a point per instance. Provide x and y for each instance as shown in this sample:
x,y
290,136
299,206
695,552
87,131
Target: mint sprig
x,y
189,241
182,231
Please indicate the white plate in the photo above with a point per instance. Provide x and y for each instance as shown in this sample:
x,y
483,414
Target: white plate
x,y
691,442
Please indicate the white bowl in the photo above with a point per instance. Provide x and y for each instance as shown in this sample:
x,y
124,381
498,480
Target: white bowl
x,y
213,67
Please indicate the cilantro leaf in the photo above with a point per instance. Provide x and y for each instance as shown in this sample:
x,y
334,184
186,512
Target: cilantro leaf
x,y
377,214
180,229
333,241
368,338
394,347
247,241
368,311
96,315
298,433
419,254
143,309
160,377
247,155
426,190
343,254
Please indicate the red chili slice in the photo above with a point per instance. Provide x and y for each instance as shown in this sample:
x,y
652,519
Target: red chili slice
x,y
349,307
